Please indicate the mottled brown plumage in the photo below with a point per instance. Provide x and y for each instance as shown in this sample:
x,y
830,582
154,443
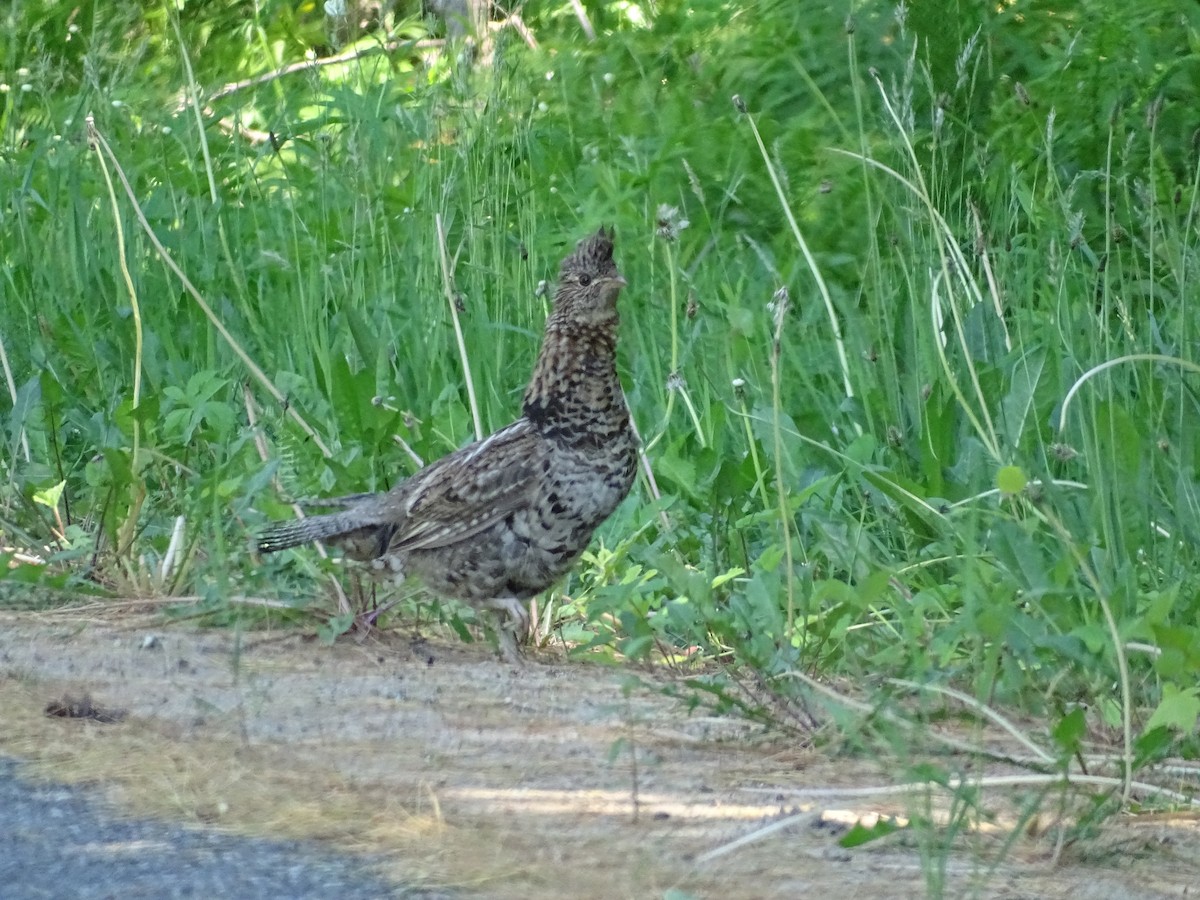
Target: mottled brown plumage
x,y
502,519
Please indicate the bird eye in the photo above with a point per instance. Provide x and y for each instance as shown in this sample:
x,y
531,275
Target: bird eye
x,y
585,279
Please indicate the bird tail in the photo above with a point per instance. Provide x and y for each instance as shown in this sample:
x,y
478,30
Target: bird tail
x,y
313,528
345,502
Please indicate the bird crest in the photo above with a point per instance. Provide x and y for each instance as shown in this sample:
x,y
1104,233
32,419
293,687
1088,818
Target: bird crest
x,y
592,254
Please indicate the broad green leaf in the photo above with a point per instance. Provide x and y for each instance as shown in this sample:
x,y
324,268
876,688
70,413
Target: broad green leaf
x,y
1178,709
50,496
1070,730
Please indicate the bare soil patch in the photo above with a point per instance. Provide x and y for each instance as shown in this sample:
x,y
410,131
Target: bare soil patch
x,y
460,772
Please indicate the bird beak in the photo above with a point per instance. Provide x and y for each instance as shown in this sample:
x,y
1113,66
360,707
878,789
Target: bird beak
x,y
619,281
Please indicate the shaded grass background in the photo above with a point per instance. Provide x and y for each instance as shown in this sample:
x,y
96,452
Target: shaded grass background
x,y
931,523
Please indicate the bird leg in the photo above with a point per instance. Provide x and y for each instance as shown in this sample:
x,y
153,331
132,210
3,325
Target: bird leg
x,y
366,620
508,631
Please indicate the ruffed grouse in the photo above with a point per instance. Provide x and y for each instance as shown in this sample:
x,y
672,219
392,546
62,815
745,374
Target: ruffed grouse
x,y
502,519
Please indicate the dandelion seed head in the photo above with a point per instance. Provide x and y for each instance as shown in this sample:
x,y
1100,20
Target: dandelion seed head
x,y
669,222
778,307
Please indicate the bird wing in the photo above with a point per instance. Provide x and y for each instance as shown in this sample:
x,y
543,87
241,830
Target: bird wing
x,y
470,490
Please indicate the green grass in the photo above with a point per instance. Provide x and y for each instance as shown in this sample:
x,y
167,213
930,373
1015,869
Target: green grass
x,y
875,481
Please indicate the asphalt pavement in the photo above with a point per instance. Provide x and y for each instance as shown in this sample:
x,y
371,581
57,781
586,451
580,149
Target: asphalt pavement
x,y
62,842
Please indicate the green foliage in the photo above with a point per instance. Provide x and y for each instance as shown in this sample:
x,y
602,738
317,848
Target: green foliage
x,y
872,475
860,834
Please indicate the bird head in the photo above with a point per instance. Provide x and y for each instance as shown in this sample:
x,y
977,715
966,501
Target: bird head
x,y
589,282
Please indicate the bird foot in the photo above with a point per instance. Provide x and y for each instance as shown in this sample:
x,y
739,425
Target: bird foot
x,y
509,651
508,632
365,621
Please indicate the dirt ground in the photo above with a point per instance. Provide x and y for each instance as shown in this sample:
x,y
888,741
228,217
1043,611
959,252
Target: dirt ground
x,y
458,772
